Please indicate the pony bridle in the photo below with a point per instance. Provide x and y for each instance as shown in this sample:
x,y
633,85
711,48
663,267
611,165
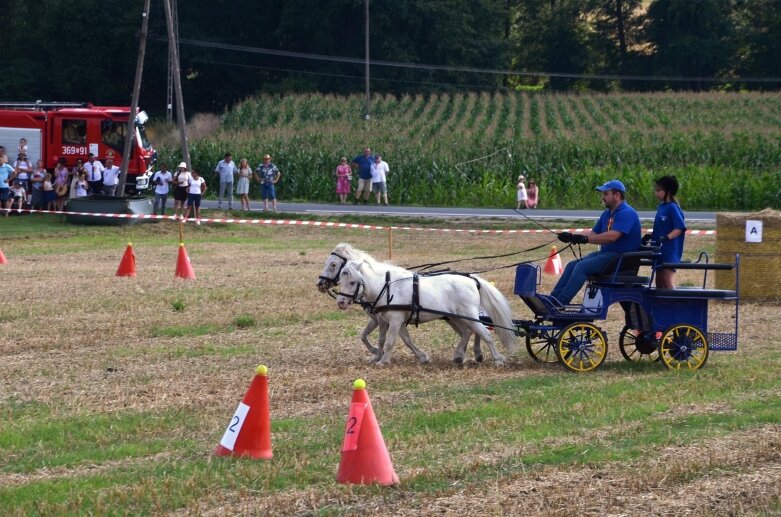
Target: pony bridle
x,y
331,282
357,296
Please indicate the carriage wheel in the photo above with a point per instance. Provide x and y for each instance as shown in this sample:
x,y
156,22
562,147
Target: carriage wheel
x,y
542,346
683,345
581,347
637,346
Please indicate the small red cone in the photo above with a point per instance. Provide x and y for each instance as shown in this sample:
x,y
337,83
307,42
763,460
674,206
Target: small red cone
x,y
127,266
553,265
249,431
365,458
183,267
2,258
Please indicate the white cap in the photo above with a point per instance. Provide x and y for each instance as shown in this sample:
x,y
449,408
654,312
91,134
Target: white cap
x,y
181,165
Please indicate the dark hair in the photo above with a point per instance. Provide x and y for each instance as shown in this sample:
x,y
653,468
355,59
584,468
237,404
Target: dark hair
x,y
669,184
61,161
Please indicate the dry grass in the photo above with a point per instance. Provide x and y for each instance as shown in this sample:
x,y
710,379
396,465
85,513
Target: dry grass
x,y
78,340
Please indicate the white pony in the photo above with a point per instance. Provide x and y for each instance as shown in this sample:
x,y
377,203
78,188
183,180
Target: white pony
x,y
330,277
437,295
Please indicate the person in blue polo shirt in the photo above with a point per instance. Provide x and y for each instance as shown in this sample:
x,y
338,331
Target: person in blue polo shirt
x,y
669,229
617,231
363,162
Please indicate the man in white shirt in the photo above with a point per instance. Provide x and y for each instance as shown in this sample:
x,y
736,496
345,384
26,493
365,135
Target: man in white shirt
x,y
379,171
226,168
110,177
94,171
161,180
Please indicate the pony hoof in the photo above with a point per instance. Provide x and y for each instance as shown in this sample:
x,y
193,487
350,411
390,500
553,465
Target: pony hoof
x,y
479,358
458,360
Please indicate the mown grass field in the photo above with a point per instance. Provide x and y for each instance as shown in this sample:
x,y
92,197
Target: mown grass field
x,y
115,391
451,149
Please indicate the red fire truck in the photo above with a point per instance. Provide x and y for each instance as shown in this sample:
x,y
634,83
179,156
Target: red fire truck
x,y
72,131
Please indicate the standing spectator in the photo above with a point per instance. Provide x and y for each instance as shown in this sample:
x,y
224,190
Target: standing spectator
x,y
49,195
669,229
76,173
23,169
363,162
5,173
19,195
242,188
533,195
226,168
182,180
110,177
161,180
94,170
343,176
268,175
37,179
521,194
194,193
60,183
379,172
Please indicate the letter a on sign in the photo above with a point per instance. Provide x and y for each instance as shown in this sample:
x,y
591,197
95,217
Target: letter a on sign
x,y
753,231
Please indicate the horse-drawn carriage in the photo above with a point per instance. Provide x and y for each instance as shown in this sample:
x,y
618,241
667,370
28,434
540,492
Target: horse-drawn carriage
x,y
670,325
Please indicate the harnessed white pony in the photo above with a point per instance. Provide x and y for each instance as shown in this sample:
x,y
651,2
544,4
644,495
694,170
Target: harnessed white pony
x,y
401,296
330,277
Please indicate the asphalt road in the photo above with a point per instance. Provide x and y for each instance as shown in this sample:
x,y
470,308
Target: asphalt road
x,y
443,212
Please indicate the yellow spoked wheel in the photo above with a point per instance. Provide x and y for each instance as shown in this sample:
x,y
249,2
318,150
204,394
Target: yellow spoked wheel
x,y
581,347
683,346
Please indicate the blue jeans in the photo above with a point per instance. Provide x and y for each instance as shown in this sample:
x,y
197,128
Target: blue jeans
x,y
576,273
160,200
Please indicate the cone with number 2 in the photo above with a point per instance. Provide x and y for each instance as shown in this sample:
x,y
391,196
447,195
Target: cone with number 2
x,y
365,459
249,431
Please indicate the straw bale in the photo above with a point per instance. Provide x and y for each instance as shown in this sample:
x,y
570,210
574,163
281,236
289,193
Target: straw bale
x,y
760,262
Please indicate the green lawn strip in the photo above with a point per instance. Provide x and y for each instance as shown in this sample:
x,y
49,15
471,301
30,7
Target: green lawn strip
x,y
28,443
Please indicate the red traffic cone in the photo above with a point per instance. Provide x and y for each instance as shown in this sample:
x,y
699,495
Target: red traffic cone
x,y
249,431
553,265
127,266
183,267
2,258
365,458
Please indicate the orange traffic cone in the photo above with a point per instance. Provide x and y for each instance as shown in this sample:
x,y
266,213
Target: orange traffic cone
x,y
365,458
127,266
2,258
553,265
183,267
249,431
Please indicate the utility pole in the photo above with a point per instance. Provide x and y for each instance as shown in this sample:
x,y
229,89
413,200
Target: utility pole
x,y
170,85
368,97
130,132
177,84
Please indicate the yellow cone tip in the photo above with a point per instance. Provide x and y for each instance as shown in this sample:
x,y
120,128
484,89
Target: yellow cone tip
x,y
129,243
181,244
359,384
262,369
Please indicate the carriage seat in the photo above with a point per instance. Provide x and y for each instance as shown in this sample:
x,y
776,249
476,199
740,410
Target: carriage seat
x,y
622,270
695,293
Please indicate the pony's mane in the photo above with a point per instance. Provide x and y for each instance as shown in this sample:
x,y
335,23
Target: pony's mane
x,y
347,250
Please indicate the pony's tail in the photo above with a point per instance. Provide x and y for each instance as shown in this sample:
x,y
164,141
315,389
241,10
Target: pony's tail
x,y
498,309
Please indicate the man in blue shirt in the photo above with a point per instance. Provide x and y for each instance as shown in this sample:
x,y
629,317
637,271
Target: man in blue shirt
x,y
5,173
363,162
617,231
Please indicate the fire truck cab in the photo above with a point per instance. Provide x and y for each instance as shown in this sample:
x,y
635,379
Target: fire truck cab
x,y
72,131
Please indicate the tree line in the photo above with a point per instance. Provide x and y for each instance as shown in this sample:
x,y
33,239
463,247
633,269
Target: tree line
x,y
85,50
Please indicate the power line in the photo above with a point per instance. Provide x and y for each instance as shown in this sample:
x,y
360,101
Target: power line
x,y
464,69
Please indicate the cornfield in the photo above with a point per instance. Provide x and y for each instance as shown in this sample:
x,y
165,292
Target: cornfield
x,y
448,149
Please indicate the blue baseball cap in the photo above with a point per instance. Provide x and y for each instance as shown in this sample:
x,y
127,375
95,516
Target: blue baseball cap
x,y
612,185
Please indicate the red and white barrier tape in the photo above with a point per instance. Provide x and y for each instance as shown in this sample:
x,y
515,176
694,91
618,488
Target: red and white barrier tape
x,y
326,224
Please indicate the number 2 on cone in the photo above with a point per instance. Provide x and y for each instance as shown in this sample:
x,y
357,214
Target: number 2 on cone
x,y
353,429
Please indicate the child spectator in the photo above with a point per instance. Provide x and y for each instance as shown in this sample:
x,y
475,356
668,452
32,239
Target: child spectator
x,y
49,195
521,194
22,146
19,195
76,173
343,176
82,186
194,193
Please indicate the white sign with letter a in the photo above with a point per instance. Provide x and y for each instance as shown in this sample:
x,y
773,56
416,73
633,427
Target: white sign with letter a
x,y
753,231
234,428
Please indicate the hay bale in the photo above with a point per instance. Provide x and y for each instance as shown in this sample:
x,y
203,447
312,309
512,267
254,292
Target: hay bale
x,y
760,262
